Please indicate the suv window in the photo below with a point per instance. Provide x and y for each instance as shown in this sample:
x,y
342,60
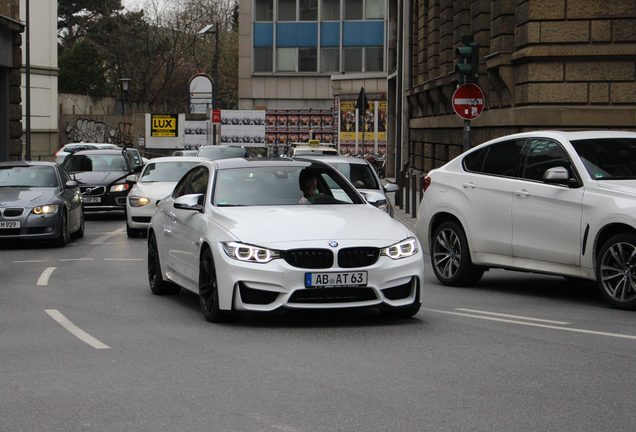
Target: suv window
x,y
542,154
501,159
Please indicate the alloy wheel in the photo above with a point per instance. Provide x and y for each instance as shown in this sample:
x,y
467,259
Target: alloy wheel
x,y
447,253
207,285
618,272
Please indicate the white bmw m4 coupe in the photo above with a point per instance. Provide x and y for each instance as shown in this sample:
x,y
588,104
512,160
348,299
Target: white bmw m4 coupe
x,y
261,235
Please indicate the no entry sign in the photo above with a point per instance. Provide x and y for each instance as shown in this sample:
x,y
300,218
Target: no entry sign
x,y
468,101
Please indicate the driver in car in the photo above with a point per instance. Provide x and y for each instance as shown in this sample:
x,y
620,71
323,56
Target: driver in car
x,y
309,185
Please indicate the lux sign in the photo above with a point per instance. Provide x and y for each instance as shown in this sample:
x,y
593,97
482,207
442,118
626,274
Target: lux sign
x,y
163,125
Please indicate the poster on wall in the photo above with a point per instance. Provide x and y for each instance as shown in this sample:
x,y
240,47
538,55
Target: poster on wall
x,y
289,126
196,134
372,123
243,126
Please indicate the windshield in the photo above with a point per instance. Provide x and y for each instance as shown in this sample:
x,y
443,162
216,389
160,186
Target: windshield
x,y
95,162
360,175
166,171
274,185
608,158
215,153
30,176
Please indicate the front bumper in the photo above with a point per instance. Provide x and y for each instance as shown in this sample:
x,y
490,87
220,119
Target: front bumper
x,y
32,227
139,217
107,202
277,284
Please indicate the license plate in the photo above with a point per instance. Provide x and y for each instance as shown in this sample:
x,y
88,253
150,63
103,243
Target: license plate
x,y
92,199
9,224
336,279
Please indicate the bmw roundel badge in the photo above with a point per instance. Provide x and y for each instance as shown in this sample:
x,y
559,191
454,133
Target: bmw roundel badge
x,y
333,243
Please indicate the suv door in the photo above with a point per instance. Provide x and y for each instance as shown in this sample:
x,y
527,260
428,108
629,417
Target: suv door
x,y
487,189
546,218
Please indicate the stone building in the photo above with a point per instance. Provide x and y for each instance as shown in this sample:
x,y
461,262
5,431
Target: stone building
x,y
10,61
544,64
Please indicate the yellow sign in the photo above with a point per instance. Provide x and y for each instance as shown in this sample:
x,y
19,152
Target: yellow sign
x,y
314,142
163,125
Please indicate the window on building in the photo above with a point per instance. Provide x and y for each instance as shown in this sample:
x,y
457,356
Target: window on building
x,y
308,10
330,10
286,10
375,9
353,9
329,59
307,59
352,58
264,10
263,59
286,59
374,59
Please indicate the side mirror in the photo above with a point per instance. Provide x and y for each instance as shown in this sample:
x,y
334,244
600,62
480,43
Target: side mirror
x,y
558,175
71,184
391,187
131,178
373,197
189,202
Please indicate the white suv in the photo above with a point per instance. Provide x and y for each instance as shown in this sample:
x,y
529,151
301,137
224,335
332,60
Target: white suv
x,y
551,202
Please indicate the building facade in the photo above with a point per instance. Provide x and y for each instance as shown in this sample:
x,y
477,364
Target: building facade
x,y
42,81
10,60
544,64
304,57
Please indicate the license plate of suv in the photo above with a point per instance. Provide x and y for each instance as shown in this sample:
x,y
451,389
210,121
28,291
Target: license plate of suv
x,y
9,224
91,200
339,279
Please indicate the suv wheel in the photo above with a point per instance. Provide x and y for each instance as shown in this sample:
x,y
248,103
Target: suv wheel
x,y
616,271
450,256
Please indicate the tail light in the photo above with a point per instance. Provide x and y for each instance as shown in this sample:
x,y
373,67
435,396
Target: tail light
x,y
426,183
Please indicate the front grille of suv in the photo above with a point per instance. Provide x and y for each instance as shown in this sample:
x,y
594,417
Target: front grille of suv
x,y
93,190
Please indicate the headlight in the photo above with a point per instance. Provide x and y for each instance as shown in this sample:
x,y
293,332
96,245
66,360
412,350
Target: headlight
x,y
120,187
403,249
249,253
137,201
45,209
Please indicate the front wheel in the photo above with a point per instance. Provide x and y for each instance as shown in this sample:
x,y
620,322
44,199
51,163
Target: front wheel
x,y
450,256
158,286
209,290
63,235
616,271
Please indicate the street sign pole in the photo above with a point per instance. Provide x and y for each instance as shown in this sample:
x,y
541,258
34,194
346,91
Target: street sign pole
x,y
361,106
466,145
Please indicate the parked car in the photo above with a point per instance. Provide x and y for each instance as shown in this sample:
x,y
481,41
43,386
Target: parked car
x,y
552,202
39,201
102,177
156,181
242,234
364,177
215,152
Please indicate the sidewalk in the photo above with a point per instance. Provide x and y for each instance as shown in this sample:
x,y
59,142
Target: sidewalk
x,y
400,214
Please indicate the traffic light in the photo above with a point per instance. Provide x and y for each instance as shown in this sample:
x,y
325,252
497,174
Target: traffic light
x,y
468,60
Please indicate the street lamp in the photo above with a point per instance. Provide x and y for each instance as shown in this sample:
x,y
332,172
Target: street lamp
x,y
214,29
124,83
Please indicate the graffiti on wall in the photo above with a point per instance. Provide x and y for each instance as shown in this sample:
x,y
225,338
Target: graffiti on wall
x,y
88,130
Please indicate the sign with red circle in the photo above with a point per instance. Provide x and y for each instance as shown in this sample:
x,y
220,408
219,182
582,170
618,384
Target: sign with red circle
x,y
468,101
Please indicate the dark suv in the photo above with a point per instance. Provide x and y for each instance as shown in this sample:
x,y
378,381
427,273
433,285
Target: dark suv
x,y
101,175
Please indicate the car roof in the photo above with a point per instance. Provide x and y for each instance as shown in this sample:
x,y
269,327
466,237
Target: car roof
x,y
98,152
335,159
257,162
21,163
568,135
177,159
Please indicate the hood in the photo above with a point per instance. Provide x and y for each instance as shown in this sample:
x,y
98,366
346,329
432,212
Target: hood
x,y
26,197
627,187
270,225
153,190
99,178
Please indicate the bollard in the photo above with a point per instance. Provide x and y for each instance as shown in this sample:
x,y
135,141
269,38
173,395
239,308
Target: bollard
x,y
422,177
413,197
398,193
407,195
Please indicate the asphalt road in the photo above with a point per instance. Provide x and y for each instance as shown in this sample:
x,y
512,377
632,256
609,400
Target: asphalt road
x,y
85,346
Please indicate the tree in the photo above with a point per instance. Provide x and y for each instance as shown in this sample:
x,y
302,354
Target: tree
x,y
82,70
76,18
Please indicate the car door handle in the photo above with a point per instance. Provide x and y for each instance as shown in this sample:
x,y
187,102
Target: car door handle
x,y
470,185
522,193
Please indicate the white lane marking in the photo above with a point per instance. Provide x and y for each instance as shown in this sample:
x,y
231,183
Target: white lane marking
x,y
43,280
123,259
75,330
530,324
30,261
107,236
512,316
77,259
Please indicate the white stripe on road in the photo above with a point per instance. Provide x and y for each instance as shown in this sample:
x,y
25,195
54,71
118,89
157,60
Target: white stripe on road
x,y
107,236
123,259
530,324
30,261
512,316
75,330
43,280
77,259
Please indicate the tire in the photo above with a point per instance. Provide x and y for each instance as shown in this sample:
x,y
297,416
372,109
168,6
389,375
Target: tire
x,y
63,235
616,271
158,286
450,256
209,291
80,231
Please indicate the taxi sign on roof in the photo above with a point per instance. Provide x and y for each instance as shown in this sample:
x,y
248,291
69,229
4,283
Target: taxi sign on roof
x,y
314,142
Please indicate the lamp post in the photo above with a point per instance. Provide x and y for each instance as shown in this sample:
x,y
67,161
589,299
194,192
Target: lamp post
x,y
214,30
124,83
